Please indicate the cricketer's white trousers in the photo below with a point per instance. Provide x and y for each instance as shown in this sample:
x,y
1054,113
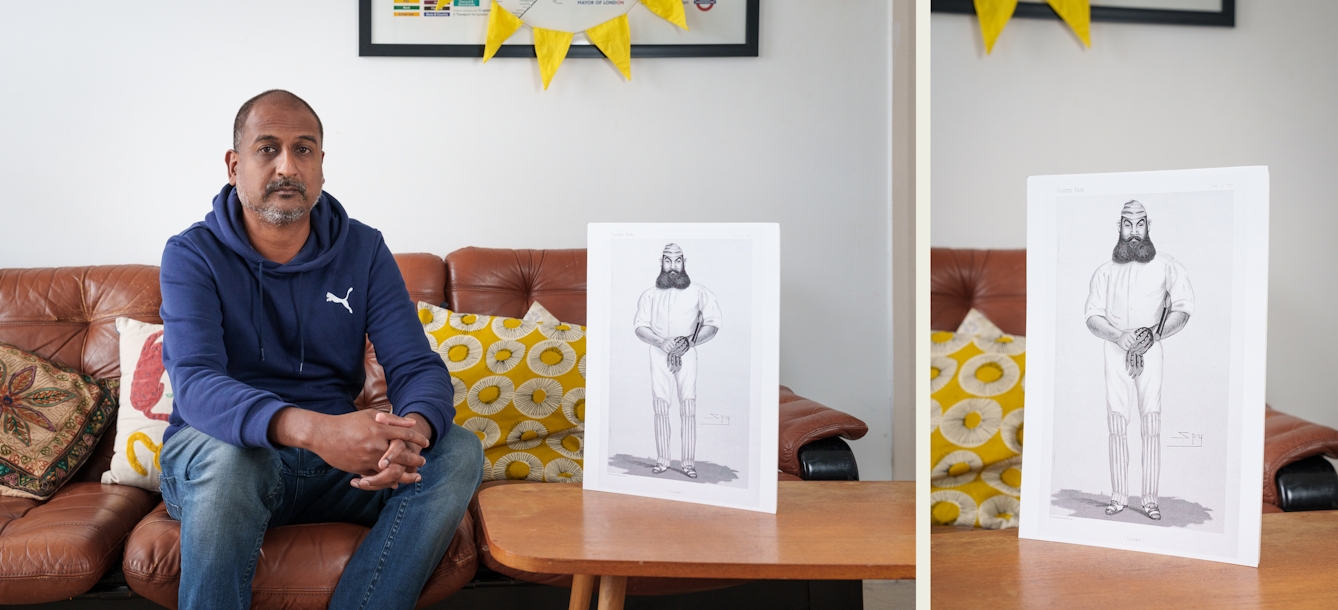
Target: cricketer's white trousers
x,y
664,384
1125,396
1128,395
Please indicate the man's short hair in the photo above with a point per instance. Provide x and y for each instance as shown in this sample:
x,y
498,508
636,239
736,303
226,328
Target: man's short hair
x,y
244,113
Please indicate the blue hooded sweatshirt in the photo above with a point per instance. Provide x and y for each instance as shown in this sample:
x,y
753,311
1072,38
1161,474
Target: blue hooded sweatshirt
x,y
245,337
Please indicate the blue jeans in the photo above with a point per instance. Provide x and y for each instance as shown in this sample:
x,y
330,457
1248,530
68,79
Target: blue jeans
x,y
227,496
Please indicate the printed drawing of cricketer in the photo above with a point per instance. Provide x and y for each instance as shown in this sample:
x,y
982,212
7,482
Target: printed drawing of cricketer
x,y
674,318
1138,299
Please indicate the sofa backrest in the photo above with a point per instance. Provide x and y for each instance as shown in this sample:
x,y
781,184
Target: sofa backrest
x,y
68,315
504,282
992,281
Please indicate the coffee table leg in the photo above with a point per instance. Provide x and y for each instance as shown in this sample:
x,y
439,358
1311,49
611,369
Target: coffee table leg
x,y
612,590
581,587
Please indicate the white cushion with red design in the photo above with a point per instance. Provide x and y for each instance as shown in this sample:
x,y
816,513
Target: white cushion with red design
x,y
146,402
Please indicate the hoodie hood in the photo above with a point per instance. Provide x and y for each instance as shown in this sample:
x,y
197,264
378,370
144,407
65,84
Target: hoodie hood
x,y
329,228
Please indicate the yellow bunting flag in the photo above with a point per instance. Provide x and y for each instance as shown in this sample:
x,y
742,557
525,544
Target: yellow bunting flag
x,y
994,15
501,25
1078,14
672,10
551,47
615,39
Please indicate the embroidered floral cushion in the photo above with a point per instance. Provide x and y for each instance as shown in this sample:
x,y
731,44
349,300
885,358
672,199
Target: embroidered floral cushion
x,y
146,403
977,380
51,418
519,386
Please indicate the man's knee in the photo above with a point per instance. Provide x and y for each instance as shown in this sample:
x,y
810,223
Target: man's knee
x,y
457,453
209,475
688,407
661,406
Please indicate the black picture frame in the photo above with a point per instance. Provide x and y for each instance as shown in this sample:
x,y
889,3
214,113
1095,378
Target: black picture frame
x,y
366,48
1040,10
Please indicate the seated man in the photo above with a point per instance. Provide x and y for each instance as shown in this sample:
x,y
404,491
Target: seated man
x,y
266,307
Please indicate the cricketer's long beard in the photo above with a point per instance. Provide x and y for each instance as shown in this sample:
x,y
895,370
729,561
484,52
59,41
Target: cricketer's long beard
x,y
1134,250
272,213
673,279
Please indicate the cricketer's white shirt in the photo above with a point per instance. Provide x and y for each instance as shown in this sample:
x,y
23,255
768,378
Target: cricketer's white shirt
x,y
1129,295
672,312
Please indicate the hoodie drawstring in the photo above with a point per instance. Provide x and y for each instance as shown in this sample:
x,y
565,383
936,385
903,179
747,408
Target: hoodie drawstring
x,y
258,306
255,309
301,337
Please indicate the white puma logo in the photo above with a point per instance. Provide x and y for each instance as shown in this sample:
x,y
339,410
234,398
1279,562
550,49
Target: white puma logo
x,y
331,298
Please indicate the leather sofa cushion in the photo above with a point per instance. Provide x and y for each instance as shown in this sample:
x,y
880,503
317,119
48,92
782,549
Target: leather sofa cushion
x,y
57,549
505,282
992,281
298,568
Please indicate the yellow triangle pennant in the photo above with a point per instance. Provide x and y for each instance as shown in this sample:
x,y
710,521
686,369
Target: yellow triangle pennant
x,y
672,11
501,25
994,15
1076,13
615,39
551,47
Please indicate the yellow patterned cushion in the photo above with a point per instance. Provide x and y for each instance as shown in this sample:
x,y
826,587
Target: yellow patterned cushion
x,y
520,386
977,377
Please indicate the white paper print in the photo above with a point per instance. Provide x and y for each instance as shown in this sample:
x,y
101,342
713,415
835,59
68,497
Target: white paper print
x,y
1146,317
683,343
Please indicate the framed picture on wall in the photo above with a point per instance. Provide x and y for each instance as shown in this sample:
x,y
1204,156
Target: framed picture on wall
x,y
1169,12
1147,320
458,28
683,345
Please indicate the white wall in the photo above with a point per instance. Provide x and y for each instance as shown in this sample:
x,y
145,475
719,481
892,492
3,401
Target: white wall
x,y
1148,97
115,117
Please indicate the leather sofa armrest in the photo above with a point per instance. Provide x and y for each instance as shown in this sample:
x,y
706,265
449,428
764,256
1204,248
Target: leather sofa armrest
x,y
803,421
1288,439
828,459
1308,484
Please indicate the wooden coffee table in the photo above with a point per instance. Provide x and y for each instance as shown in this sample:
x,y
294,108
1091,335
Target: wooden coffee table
x,y
822,530
1297,569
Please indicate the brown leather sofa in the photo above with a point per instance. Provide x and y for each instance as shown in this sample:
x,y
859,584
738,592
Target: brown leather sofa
x,y
57,549
995,283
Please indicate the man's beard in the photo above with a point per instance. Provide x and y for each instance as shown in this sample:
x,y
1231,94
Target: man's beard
x,y
673,279
272,213
1130,250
